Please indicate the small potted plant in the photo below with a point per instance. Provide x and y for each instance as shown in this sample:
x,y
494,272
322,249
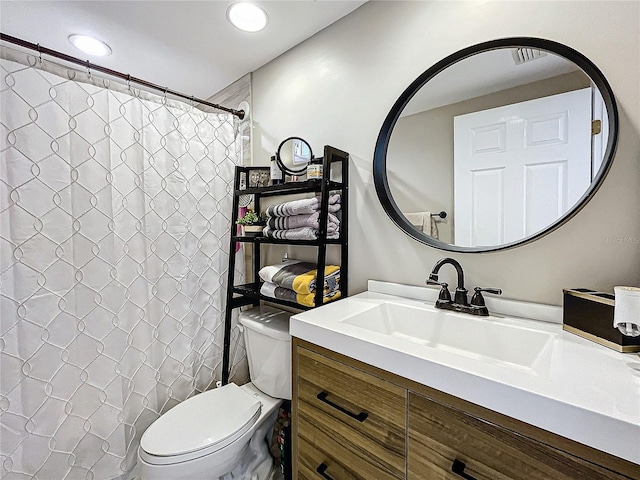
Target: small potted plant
x,y
252,223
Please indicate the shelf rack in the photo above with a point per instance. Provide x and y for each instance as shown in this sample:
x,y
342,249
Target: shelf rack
x,y
249,293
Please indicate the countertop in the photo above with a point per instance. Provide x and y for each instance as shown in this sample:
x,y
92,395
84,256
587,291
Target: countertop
x,y
583,391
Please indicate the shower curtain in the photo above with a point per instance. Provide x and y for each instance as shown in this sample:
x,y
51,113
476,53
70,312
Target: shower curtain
x,y
114,222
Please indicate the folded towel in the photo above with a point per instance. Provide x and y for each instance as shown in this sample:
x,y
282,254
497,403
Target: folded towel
x,y
433,227
304,233
424,222
304,206
299,221
309,300
300,276
272,290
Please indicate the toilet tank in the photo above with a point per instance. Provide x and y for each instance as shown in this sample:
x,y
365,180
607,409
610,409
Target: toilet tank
x,y
268,344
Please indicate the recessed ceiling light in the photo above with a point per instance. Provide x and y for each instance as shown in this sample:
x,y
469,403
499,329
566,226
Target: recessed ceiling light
x,y
90,45
247,16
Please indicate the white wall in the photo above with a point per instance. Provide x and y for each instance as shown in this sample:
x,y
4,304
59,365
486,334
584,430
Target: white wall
x,y
337,87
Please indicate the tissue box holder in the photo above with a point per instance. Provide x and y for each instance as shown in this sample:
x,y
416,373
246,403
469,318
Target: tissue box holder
x,y
589,314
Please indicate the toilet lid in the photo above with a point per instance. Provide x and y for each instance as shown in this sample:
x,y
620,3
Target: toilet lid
x,y
210,420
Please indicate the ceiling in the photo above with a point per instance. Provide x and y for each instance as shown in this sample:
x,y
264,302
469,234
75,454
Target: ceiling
x,y
189,46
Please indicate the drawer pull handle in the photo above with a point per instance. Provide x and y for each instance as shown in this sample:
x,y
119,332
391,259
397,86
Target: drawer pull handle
x,y
458,468
361,417
322,469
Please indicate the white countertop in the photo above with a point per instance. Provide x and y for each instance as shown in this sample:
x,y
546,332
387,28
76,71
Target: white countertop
x,y
584,391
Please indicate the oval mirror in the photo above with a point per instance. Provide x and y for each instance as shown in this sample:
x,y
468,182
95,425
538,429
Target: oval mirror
x,y
293,155
510,138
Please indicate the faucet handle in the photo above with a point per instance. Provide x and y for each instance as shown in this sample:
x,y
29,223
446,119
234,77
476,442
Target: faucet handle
x,y
445,295
495,291
478,300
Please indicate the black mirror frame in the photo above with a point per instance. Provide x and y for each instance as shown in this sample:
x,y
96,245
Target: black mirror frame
x,y
380,153
281,164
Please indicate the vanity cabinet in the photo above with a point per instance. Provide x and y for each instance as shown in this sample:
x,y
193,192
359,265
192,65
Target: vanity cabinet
x,y
349,424
355,421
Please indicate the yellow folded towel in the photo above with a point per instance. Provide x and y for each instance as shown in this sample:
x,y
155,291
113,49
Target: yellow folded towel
x,y
308,300
300,276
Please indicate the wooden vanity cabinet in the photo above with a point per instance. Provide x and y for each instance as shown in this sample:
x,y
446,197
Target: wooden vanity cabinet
x,y
354,421
349,424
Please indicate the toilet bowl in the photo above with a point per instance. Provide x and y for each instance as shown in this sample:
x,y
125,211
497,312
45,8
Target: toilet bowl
x,y
221,433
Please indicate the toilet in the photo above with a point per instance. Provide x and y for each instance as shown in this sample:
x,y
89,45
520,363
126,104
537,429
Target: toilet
x,y
223,433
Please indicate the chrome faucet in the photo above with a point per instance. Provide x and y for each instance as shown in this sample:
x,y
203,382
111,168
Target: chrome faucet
x,y
460,303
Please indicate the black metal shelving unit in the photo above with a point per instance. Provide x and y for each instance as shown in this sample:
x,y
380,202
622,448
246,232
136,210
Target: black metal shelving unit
x,y
249,293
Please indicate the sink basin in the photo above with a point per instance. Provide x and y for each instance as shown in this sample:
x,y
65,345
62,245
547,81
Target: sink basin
x,y
484,338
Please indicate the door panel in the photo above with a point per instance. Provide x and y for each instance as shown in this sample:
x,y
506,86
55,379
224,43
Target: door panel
x,y
542,149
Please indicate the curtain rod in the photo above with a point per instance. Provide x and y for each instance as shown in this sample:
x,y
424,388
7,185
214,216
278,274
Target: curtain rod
x,y
85,63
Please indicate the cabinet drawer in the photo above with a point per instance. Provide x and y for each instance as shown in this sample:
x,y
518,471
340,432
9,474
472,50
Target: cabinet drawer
x,y
361,412
438,435
333,461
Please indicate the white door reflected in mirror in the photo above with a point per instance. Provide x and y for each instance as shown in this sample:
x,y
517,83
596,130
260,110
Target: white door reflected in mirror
x,y
518,168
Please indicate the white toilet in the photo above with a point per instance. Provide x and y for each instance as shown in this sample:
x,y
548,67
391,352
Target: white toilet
x,y
222,433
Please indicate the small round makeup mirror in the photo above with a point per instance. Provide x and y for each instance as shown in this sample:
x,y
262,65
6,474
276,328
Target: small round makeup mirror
x,y
293,156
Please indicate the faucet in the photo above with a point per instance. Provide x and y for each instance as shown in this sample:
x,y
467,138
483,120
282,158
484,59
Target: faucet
x,y
460,303
445,296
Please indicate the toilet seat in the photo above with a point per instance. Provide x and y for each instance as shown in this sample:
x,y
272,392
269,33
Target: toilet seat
x,y
200,425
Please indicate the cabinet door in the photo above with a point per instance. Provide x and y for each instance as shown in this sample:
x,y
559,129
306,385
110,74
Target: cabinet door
x,y
440,435
351,416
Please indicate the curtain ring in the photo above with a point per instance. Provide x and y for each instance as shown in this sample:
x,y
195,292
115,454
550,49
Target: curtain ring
x,y
129,81
39,54
88,68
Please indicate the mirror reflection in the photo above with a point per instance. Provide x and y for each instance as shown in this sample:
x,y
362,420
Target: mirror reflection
x,y
293,155
505,141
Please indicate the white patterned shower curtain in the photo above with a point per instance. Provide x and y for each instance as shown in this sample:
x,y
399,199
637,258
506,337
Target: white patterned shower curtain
x,y
114,222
